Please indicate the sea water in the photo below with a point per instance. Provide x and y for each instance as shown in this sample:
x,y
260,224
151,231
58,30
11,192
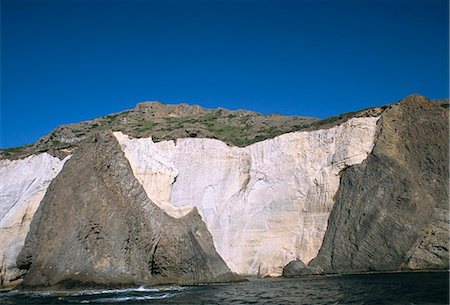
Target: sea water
x,y
381,288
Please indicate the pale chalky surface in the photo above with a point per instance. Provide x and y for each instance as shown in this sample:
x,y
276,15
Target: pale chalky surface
x,y
265,204
23,185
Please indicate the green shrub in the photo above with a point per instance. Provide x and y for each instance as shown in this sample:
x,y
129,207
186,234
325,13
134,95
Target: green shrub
x,y
142,126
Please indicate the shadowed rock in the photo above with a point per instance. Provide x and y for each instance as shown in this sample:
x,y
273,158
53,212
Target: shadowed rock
x,y
97,227
391,211
296,268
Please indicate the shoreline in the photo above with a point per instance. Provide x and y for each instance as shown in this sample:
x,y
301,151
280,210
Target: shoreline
x,y
162,287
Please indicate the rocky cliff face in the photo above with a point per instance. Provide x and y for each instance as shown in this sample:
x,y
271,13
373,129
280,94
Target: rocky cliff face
x,y
391,211
264,204
23,185
96,226
127,210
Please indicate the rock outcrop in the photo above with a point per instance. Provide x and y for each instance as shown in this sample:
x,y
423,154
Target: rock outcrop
x,y
96,226
265,204
23,185
296,268
391,211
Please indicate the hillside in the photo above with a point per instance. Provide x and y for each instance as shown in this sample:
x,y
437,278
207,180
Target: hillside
x,y
167,122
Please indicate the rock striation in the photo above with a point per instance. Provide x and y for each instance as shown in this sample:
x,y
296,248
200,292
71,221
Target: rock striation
x,y
391,211
96,226
23,185
265,204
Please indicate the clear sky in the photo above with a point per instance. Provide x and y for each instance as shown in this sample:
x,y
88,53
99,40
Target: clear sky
x,y
67,61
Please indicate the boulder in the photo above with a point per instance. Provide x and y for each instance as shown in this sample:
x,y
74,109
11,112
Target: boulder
x,y
295,268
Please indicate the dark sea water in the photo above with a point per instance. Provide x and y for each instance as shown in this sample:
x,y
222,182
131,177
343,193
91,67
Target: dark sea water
x,y
388,288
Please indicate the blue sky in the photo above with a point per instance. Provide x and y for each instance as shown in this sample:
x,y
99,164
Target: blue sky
x,y
67,61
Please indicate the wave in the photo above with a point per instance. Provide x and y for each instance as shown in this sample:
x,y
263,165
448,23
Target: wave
x,y
127,290
129,298
114,291
122,295
35,294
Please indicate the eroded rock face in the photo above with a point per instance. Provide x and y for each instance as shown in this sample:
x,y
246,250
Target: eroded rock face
x,y
265,204
96,226
391,211
23,185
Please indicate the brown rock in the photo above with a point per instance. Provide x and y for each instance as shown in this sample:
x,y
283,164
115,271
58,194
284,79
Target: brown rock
x,y
391,211
97,227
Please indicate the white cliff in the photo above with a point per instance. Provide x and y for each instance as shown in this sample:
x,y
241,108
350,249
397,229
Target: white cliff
x,y
23,184
265,204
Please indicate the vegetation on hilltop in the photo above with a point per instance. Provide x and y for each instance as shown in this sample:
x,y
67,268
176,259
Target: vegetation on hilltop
x,y
167,122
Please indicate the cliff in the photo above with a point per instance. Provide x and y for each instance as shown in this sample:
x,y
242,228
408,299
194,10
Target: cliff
x,y
363,191
23,185
391,211
264,204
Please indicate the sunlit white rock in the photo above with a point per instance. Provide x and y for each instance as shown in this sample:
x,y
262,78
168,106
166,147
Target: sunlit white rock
x,y
23,184
265,204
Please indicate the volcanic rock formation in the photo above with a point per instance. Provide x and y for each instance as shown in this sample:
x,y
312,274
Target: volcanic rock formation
x,y
96,226
391,211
